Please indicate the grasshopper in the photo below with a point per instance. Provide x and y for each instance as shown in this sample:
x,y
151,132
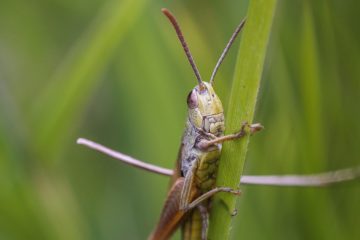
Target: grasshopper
x,y
194,176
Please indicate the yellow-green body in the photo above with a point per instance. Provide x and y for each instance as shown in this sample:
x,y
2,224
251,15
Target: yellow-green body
x,y
205,122
196,165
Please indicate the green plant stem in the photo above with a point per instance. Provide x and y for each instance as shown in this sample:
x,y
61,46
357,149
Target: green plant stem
x,y
241,108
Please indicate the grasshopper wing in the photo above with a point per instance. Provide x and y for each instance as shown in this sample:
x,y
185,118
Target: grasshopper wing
x,y
177,169
171,217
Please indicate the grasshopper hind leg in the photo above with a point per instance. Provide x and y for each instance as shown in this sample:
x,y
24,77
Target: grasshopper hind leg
x,y
196,225
209,194
204,220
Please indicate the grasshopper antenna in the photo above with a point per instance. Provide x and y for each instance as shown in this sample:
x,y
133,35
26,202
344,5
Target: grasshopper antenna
x,y
176,26
221,59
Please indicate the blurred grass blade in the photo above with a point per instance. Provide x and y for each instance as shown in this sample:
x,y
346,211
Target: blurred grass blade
x,y
311,93
241,108
58,107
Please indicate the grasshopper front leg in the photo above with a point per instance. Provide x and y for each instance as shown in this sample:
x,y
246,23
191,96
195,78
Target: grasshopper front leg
x,y
205,144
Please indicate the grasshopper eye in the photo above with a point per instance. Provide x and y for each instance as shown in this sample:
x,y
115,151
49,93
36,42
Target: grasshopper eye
x,y
192,100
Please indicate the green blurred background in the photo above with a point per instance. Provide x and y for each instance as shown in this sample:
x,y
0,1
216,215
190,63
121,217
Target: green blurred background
x,y
113,71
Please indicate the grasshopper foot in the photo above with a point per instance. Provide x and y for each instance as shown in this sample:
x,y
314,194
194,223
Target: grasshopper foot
x,y
236,192
253,128
230,190
234,213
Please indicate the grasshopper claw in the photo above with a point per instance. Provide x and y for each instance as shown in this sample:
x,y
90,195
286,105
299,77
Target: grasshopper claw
x,y
236,192
256,127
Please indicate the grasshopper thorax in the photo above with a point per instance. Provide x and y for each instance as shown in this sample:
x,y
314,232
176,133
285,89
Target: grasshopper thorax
x,y
205,109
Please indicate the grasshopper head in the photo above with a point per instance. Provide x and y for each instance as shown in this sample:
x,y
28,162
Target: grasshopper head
x,y
205,109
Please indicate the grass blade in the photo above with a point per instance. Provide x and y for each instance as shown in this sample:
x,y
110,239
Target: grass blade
x,y
241,108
